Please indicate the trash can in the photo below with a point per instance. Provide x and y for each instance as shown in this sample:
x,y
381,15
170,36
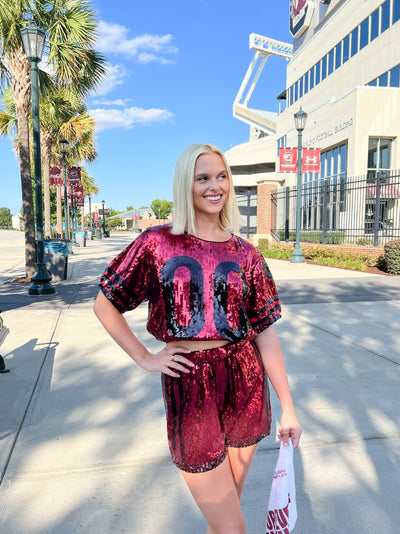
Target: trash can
x,y
56,258
80,238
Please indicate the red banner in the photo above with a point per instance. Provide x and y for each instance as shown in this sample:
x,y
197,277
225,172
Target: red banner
x,y
311,159
287,159
68,191
80,202
74,175
56,175
95,216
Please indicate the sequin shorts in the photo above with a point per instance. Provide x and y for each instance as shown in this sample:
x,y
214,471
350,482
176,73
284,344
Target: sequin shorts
x,y
223,402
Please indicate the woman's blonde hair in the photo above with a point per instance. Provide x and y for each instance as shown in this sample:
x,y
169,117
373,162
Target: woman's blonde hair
x,y
184,220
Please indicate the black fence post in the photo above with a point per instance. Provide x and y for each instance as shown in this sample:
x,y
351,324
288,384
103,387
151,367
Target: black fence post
x,y
287,208
325,212
377,208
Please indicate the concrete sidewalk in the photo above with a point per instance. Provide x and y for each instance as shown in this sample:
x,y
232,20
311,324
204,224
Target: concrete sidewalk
x,y
82,434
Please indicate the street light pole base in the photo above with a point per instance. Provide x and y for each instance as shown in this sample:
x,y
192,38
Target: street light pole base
x,y
297,255
41,282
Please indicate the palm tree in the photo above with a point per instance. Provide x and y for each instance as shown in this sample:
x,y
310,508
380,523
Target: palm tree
x,y
89,189
71,32
65,116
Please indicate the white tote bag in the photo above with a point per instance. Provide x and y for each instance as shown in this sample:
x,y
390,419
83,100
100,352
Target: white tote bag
x,y
282,512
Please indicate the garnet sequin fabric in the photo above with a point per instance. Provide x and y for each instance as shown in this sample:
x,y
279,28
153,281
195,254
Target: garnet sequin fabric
x,y
196,289
223,402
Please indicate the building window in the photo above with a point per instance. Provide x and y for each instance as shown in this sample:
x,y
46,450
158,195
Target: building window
x,y
385,16
323,68
374,82
364,33
354,42
383,80
317,73
331,61
306,83
375,24
396,11
312,74
247,202
301,86
395,77
338,55
346,48
379,156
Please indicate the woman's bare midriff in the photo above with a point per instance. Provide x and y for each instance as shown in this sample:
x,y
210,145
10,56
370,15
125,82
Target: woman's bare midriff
x,y
194,346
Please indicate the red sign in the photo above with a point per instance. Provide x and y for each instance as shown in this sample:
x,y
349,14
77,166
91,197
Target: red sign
x,y
56,175
68,191
287,159
106,211
80,202
74,175
311,159
95,216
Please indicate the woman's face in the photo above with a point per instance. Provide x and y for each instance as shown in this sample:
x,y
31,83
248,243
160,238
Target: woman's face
x,y
211,184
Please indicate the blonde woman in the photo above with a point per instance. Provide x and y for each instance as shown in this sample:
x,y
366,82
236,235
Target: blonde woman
x,y
213,301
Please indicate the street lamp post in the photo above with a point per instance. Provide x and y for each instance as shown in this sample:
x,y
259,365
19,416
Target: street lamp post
x,y
90,212
33,40
64,150
104,219
300,122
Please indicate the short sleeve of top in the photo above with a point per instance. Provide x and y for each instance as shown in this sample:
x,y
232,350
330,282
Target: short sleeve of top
x,y
263,305
131,277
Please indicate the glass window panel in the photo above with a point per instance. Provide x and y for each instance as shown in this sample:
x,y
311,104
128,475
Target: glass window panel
x,y
291,96
372,153
395,77
364,33
385,15
346,48
306,83
374,82
296,91
323,68
375,24
354,41
343,158
335,161
301,86
384,80
312,74
323,160
329,164
317,73
338,55
396,11
384,153
331,57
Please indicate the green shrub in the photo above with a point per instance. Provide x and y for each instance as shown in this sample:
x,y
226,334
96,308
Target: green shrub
x,y
392,256
278,251
381,263
263,245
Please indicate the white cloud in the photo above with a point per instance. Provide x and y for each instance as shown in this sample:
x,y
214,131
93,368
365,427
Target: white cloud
x,y
121,102
128,117
114,39
115,75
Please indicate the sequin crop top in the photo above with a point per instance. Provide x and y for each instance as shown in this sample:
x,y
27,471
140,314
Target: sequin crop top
x,y
196,289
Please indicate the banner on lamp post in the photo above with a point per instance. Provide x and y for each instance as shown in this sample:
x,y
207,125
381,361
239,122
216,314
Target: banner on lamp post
x,y
74,175
55,175
287,159
311,160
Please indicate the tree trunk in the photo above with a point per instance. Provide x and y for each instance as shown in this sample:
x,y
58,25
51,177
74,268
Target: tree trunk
x,y
59,211
46,194
21,85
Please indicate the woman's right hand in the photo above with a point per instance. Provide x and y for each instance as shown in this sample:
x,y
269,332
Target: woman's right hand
x,y
170,361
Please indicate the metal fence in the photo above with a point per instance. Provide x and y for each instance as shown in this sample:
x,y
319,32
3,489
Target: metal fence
x,y
361,211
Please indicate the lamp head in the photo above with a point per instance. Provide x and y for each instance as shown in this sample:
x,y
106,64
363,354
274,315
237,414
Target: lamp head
x,y
300,119
64,146
33,39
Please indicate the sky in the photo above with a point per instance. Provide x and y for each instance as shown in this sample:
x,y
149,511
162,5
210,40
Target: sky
x,y
174,69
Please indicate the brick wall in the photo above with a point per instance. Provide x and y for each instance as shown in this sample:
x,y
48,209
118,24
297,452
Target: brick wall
x,y
265,215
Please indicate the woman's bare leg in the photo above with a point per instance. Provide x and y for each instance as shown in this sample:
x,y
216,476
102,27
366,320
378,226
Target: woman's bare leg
x,y
217,492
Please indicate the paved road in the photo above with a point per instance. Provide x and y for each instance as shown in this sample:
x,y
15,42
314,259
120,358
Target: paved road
x,y
82,432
